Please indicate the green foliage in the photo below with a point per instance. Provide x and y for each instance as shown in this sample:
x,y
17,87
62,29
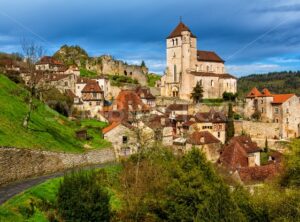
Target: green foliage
x,y
197,93
256,115
276,82
143,64
118,80
230,124
291,177
70,55
81,198
87,73
266,148
152,78
47,129
229,96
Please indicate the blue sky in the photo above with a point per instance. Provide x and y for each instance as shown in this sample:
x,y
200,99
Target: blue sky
x,y
254,36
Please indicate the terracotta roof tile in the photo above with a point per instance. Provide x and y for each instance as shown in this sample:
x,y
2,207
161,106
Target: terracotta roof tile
x,y
144,93
208,56
128,100
254,93
266,92
110,127
178,107
49,60
92,87
201,138
259,173
281,98
179,29
212,116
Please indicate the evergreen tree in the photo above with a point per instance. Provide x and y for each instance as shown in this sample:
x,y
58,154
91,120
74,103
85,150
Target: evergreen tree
x,y
143,64
230,124
266,145
197,93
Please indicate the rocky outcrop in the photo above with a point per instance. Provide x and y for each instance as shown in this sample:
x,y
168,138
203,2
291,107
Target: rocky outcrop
x,y
104,64
17,164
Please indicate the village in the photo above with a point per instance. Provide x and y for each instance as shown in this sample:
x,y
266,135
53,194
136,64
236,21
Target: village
x,y
245,136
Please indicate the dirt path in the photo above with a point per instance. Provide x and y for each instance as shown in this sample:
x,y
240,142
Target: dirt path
x,y
13,189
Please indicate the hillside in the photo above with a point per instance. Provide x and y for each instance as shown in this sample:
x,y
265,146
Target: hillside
x,y
276,82
48,129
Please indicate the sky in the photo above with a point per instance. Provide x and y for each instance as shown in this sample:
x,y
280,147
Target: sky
x,y
256,36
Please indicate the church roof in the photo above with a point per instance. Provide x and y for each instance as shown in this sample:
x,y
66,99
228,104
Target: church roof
x,y
254,93
208,56
211,74
179,29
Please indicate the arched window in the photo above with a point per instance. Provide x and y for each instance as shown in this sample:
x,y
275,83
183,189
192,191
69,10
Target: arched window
x,y
207,68
176,41
212,82
173,42
175,73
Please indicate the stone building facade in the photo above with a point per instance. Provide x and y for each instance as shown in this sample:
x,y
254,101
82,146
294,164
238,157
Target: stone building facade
x,y
186,66
275,108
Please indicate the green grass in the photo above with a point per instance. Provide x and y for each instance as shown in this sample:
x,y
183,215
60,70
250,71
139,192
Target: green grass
x,y
152,78
11,211
213,102
119,80
48,130
87,73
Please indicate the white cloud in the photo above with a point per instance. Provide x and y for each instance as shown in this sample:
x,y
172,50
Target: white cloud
x,y
245,69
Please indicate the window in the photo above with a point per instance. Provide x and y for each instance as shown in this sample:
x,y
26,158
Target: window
x,y
66,83
95,95
90,103
276,110
287,110
98,103
207,68
173,42
219,134
124,139
261,101
276,120
212,82
175,73
262,110
176,41
287,120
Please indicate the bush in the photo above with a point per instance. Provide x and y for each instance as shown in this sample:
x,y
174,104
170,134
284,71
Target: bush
x,y
81,198
229,96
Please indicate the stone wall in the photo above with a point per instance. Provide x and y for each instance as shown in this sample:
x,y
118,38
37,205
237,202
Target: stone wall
x,y
258,130
17,164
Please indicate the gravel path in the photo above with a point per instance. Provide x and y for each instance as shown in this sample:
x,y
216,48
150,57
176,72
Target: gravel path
x,y
13,189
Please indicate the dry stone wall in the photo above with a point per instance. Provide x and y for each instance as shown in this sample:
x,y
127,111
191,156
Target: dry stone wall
x,y
17,164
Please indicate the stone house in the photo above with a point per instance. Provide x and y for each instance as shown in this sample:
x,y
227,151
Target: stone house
x,y
62,82
186,66
73,69
276,108
206,142
176,109
240,152
91,100
50,64
146,96
122,138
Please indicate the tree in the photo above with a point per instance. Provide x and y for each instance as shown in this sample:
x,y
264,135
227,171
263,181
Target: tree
x,y
229,96
32,53
230,124
143,64
197,93
266,145
81,198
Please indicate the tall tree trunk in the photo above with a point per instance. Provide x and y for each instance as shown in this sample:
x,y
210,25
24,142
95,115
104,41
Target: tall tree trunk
x,y
28,115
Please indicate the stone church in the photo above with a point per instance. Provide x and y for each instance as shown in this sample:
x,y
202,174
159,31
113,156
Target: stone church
x,y
186,66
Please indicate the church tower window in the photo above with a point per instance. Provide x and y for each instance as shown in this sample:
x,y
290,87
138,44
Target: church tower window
x,y
173,42
175,73
176,41
212,83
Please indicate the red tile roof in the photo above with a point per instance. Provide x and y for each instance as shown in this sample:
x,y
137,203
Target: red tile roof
x,y
178,107
202,138
235,154
259,173
144,93
92,87
49,60
281,98
208,56
128,100
178,30
110,127
266,92
254,93
212,117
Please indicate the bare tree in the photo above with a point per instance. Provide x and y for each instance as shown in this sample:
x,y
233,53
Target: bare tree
x,y
32,53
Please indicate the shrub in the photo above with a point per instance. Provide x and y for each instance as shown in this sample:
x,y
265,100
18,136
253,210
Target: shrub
x,y
81,198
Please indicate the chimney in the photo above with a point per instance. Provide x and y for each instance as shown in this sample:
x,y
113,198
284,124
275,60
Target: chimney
x,y
251,160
